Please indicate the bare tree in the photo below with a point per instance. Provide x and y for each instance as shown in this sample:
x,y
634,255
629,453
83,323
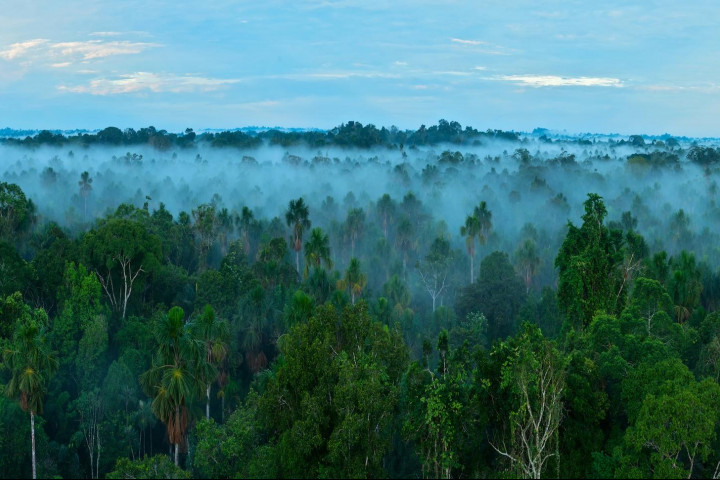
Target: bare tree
x,y
537,375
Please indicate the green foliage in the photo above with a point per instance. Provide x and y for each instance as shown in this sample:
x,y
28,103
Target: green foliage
x,y
498,294
29,359
444,416
159,466
587,262
230,450
329,406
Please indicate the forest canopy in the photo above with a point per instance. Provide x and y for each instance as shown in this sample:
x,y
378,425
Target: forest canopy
x,y
359,302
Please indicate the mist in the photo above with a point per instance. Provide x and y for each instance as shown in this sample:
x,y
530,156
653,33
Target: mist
x,y
532,181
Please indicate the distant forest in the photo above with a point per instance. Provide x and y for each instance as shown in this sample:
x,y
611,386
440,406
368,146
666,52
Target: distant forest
x,y
359,302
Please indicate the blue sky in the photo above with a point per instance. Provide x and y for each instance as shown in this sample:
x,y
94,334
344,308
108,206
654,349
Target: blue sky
x,y
581,66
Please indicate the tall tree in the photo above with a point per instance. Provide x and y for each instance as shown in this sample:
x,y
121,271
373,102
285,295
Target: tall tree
x,y
16,211
123,253
527,261
433,270
173,380
244,222
484,216
354,280
587,262
405,240
85,184
296,217
470,231
354,226
317,250
386,211
205,226
533,380
214,334
31,365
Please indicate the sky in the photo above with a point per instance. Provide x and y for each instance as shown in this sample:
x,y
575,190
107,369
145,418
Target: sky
x,y
625,67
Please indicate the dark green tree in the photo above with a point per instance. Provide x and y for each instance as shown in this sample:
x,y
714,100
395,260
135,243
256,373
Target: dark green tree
x,y
587,267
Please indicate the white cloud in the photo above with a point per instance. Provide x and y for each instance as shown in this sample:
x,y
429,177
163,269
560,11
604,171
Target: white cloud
x,y
340,75
147,81
468,42
486,48
61,65
20,49
557,81
98,49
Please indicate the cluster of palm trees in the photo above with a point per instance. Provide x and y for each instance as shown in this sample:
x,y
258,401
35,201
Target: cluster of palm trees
x,y
477,226
185,365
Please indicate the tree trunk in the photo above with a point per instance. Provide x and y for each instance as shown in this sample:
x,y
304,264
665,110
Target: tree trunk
x,y
207,405
297,262
472,269
32,437
177,458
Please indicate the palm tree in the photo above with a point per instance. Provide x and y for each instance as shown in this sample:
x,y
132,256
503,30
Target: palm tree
x,y
174,378
528,261
386,210
244,222
225,229
85,189
484,216
31,364
354,279
354,225
297,218
214,334
317,250
470,231
404,240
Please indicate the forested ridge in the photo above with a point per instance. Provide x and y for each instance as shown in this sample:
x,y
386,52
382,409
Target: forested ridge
x,y
359,302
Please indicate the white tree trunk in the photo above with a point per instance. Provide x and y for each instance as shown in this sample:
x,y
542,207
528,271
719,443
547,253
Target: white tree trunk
x,y
177,457
207,405
32,437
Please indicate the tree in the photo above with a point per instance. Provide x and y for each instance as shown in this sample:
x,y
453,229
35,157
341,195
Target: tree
x,y
527,259
498,293
433,270
329,406
386,211
91,408
205,226
16,211
354,279
245,221
534,378
442,417
684,285
405,240
214,334
85,184
484,216
174,378
354,226
317,250
121,250
31,365
158,467
470,231
587,262
296,217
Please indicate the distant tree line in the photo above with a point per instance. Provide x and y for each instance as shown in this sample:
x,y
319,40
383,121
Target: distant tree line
x,y
350,134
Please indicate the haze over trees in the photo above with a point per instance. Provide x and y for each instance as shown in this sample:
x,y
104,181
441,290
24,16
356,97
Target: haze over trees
x,y
359,302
